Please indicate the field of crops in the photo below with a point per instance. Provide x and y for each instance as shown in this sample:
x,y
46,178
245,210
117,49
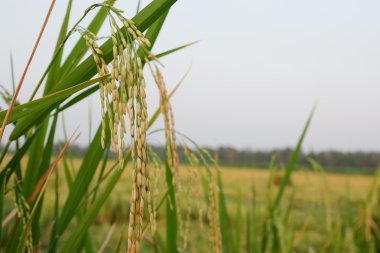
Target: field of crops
x,y
319,210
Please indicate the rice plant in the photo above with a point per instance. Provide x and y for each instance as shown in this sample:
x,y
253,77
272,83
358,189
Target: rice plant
x,y
141,201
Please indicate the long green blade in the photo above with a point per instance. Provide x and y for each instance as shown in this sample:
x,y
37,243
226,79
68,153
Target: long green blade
x,y
171,214
55,68
224,219
292,163
42,103
82,180
80,230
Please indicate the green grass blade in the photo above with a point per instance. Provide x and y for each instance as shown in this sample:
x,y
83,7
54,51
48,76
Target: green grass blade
x,y
80,229
225,222
248,236
34,161
82,180
45,162
39,190
159,243
42,103
165,53
3,185
238,224
102,169
255,241
292,163
54,231
171,214
11,166
68,176
55,68
79,98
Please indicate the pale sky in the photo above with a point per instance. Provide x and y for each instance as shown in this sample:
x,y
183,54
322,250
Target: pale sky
x,y
255,75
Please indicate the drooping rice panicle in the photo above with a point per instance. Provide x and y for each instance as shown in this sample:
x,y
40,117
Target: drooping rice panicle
x,y
170,135
23,213
124,93
97,54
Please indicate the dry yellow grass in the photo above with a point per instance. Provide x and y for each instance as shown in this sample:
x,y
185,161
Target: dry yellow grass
x,y
308,185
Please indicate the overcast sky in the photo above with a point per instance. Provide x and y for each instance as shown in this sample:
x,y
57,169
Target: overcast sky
x,y
255,75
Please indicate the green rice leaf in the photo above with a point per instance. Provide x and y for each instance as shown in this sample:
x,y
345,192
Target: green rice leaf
x,y
44,102
82,180
292,163
55,68
80,229
224,219
171,214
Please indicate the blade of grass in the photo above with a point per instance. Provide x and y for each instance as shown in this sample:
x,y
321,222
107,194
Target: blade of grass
x,y
56,211
292,163
42,103
40,189
248,235
171,214
34,161
46,158
225,223
55,68
81,228
82,180
168,52
238,224
10,167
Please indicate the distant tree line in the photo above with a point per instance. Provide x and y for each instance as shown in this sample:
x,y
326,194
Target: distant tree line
x,y
365,162
329,160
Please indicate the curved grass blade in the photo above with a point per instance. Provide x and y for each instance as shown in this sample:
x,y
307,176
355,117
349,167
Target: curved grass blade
x,y
40,188
81,228
165,53
82,180
11,166
55,68
42,103
45,161
171,213
78,98
224,219
292,163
